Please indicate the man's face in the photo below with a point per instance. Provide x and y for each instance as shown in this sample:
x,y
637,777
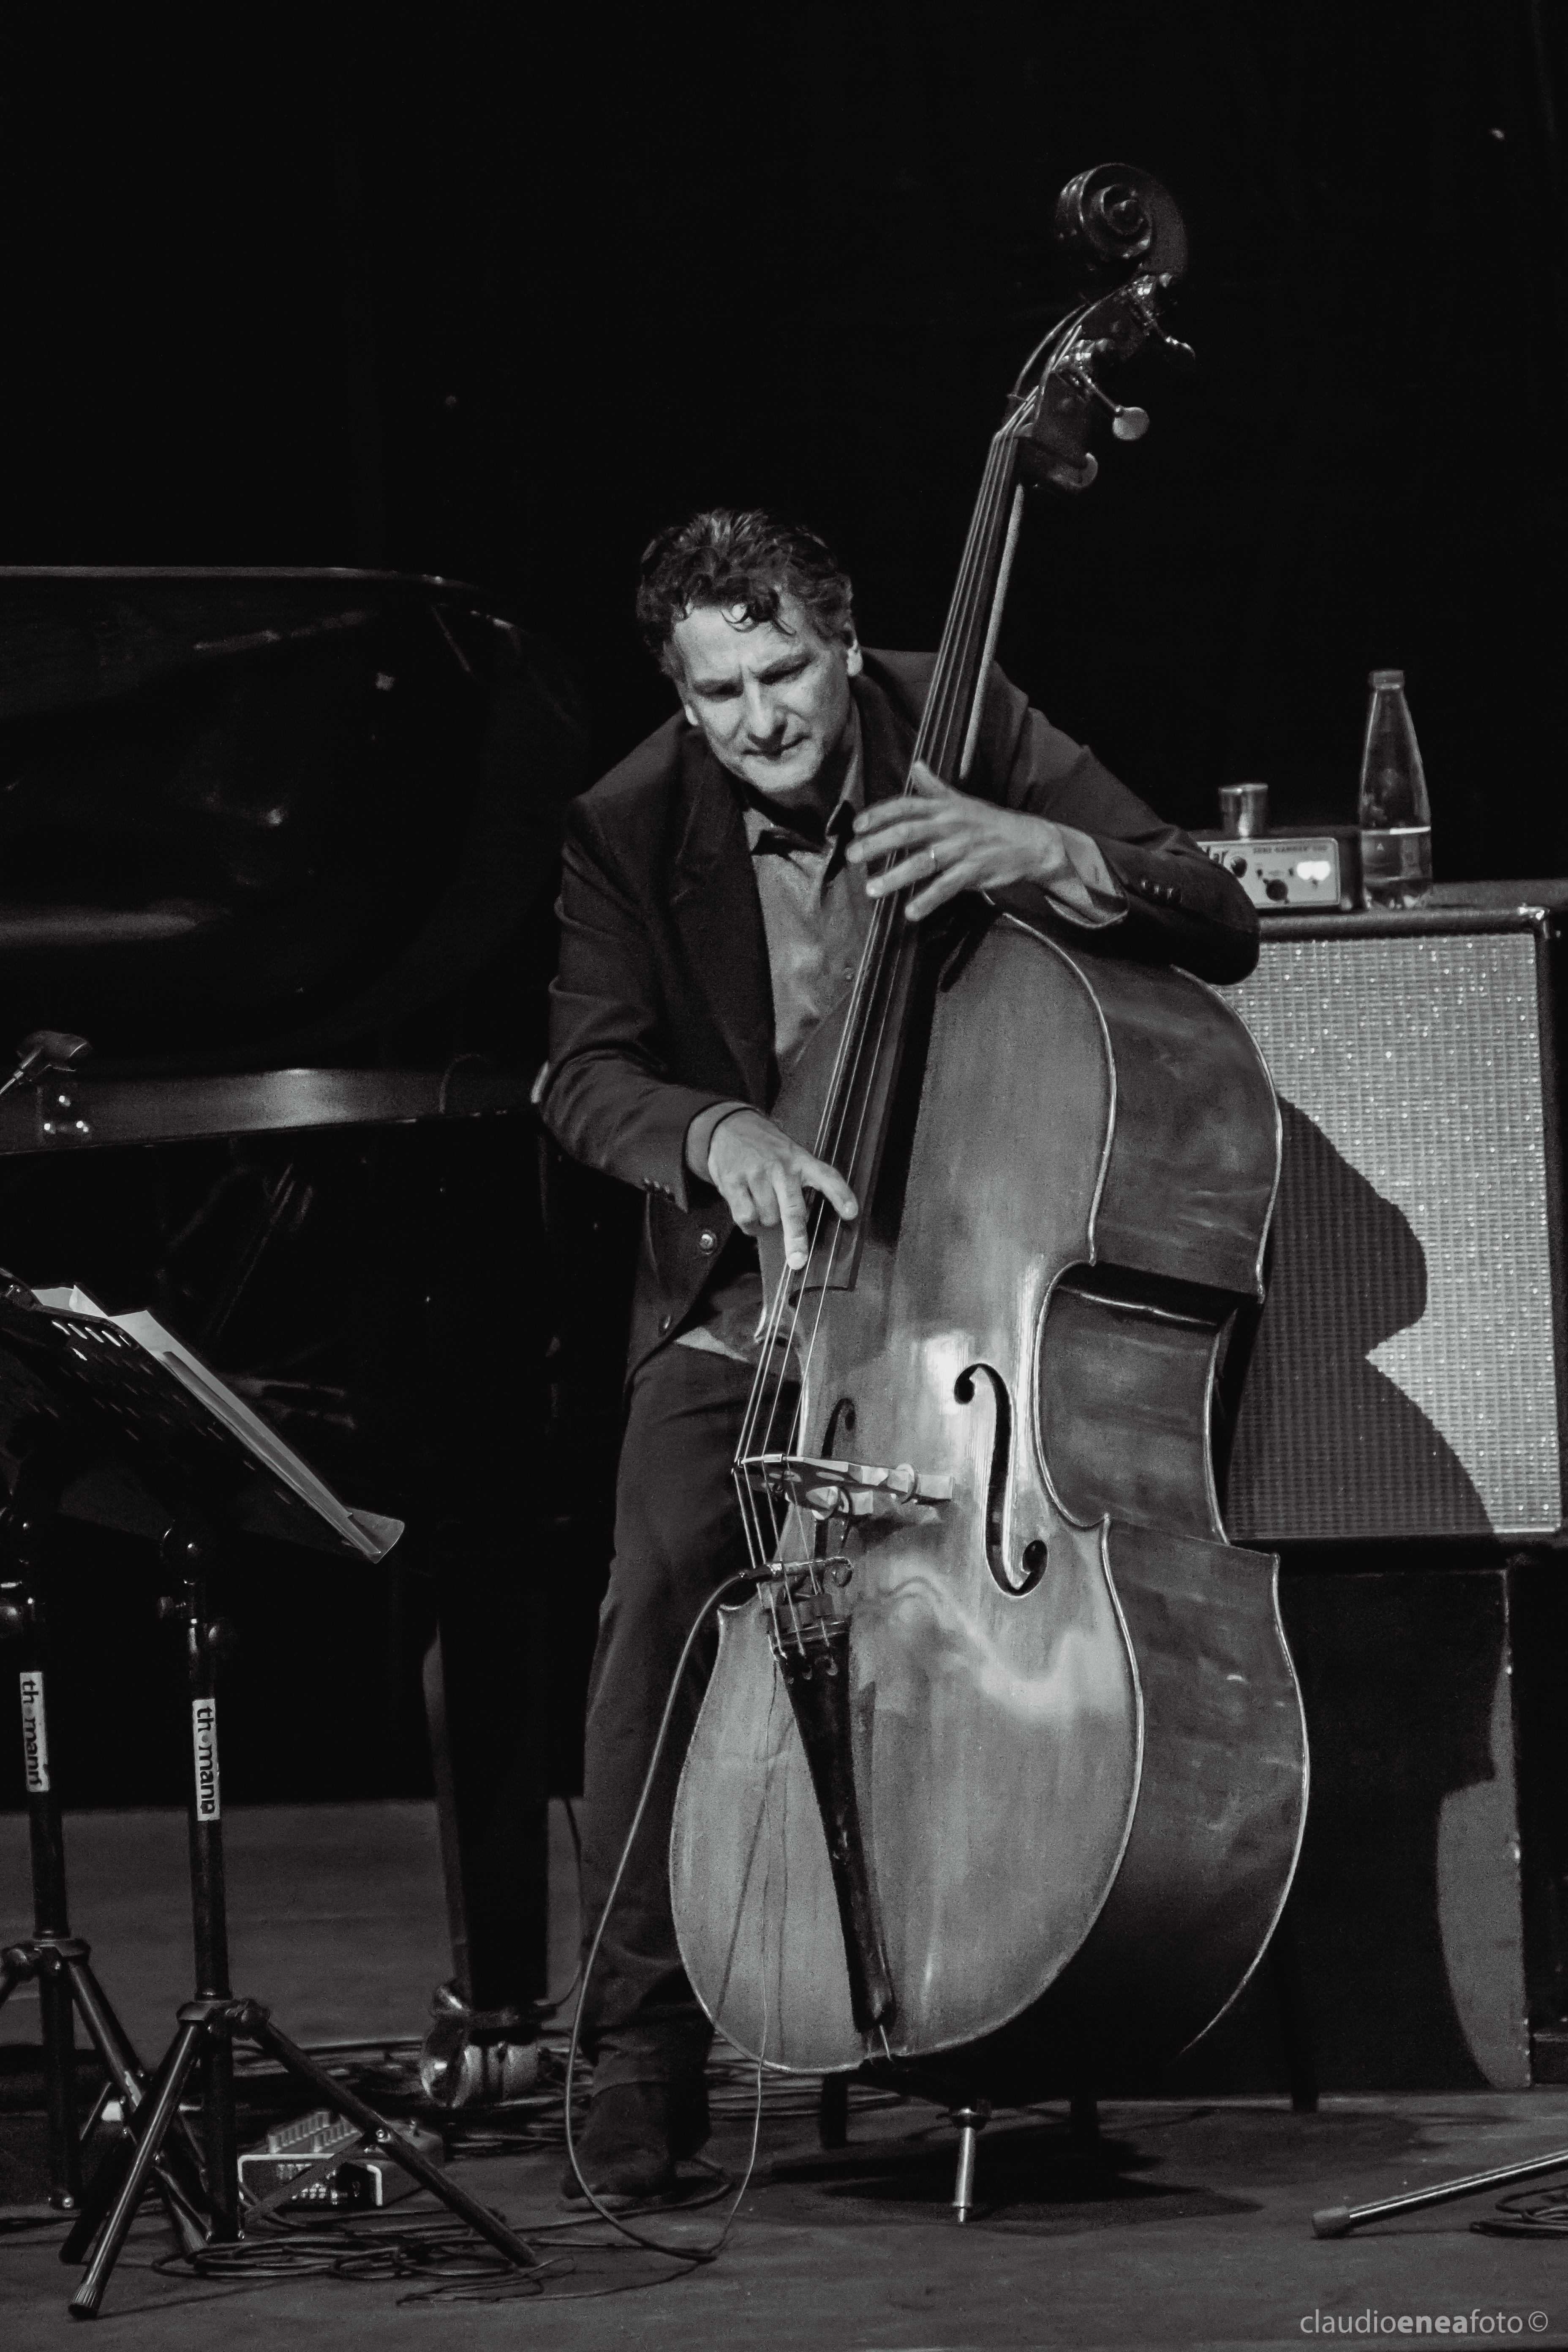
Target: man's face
x,y
772,698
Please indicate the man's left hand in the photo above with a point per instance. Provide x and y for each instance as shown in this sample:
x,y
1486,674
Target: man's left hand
x,y
946,842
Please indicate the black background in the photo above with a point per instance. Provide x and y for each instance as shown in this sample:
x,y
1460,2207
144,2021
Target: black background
x,y
495,297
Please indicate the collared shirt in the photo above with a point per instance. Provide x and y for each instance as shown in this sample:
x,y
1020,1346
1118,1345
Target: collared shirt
x,y
815,916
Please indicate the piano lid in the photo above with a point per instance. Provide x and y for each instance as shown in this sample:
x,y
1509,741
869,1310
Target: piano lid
x,y
250,815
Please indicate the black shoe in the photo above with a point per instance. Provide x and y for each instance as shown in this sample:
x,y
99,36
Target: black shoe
x,y
688,2123
634,2135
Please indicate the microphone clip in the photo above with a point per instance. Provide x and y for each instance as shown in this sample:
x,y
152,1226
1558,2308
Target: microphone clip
x,y
44,1050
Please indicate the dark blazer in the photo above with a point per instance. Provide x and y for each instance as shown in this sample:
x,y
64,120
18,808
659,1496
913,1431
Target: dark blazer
x,y
663,1003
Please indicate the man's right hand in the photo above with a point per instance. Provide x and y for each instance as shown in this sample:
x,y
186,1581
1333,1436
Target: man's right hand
x,y
765,1178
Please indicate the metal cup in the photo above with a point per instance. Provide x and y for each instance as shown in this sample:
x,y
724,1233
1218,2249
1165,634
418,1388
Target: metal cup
x,y
1243,811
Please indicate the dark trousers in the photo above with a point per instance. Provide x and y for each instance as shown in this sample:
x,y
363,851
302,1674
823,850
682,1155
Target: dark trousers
x,y
677,1530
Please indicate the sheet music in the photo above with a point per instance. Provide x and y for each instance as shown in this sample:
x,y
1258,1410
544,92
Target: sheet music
x,y
368,1534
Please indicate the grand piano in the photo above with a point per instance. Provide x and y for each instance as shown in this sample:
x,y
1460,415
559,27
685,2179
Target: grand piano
x,y
282,847
257,822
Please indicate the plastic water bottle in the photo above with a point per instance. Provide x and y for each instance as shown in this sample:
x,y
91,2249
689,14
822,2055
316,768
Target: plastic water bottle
x,y
1395,814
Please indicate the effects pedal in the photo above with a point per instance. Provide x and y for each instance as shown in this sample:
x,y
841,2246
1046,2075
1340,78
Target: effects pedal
x,y
320,2160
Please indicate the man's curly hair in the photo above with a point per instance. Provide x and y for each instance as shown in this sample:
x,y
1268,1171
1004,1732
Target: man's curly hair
x,y
750,560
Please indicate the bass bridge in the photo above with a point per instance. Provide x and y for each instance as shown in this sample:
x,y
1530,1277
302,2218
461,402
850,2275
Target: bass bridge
x,y
846,1490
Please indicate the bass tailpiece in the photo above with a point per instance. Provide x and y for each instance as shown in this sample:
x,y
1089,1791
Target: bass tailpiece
x,y
810,1641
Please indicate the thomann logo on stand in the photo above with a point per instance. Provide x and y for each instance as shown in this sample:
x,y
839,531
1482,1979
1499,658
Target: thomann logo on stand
x,y
203,1734
35,1734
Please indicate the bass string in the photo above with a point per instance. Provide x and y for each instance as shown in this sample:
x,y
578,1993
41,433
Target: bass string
x,y
939,734
875,963
872,1006
944,721
959,633
955,715
961,638
938,742
879,946
944,725
937,725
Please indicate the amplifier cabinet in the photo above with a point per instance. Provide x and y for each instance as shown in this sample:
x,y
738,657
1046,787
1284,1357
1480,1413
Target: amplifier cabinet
x,y
1406,1376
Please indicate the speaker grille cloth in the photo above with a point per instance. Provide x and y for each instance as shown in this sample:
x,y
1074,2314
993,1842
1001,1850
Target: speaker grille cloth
x,y
1404,1381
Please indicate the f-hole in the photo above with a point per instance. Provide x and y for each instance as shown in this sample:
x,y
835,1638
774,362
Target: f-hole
x,y
841,1425
1032,1561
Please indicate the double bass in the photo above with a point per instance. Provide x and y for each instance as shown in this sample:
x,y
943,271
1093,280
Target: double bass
x,y
1001,1775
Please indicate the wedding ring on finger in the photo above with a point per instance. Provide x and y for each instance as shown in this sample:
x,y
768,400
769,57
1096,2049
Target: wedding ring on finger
x,y
935,861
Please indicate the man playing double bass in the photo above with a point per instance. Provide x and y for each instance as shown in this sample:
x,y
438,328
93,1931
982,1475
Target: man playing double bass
x,y
717,885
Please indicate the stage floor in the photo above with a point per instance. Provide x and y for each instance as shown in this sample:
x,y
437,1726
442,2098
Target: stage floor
x,y
1187,2222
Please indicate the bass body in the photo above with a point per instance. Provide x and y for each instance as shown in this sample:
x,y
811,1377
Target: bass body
x,y
1070,1739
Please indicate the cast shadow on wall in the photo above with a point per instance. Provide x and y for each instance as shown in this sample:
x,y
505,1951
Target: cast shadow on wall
x,y
1405,1912
1327,1446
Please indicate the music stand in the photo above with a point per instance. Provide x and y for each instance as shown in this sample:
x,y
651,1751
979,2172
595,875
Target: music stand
x,y
119,1401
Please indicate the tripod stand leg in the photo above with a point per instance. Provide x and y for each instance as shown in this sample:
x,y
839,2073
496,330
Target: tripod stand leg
x,y
178,2181
99,2196
107,2034
107,2181
257,2027
176,2171
1339,2221
56,2019
184,2053
220,2142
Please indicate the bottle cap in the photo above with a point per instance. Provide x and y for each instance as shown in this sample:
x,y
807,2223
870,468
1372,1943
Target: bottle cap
x,y
1384,677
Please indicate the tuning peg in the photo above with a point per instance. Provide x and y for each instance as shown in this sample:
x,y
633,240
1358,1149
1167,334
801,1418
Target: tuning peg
x,y
1074,473
1046,467
1127,423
